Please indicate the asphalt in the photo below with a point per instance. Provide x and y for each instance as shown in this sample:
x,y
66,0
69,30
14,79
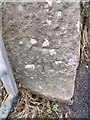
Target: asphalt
x,y
81,102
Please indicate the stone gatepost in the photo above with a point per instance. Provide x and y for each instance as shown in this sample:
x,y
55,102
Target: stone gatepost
x,y
43,43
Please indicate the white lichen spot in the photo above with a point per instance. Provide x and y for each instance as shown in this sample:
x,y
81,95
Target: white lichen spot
x,y
59,42
58,62
33,41
72,61
45,43
64,31
30,66
58,13
87,67
52,52
59,1
49,22
78,26
20,7
47,10
20,42
49,2
40,87
63,28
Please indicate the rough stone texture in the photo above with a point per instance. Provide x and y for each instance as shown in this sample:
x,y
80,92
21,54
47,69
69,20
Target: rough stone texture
x,y
0,31
43,46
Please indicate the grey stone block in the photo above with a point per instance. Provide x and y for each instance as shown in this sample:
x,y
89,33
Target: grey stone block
x,y
43,43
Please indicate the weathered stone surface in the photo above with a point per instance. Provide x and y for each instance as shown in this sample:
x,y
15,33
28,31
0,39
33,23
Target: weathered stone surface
x,y
0,31
43,45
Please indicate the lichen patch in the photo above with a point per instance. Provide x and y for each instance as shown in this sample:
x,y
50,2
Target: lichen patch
x,y
30,66
33,41
52,52
48,22
59,14
45,43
